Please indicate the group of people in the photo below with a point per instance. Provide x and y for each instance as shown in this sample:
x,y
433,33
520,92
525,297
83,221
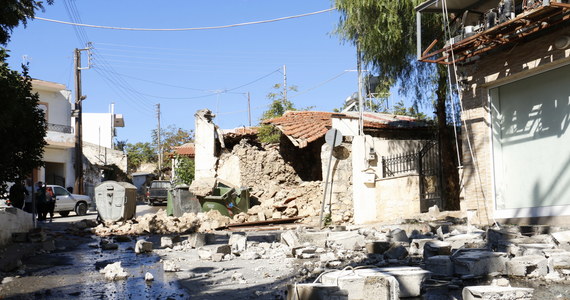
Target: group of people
x,y
20,196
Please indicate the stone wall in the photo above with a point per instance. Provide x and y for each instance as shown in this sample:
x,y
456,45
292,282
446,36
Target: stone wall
x,y
520,60
339,189
13,220
396,203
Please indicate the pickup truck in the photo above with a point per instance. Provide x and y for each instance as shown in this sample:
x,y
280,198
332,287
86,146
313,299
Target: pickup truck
x,y
157,192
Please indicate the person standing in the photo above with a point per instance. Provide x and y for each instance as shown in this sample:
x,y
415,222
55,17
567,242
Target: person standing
x,y
28,199
50,203
41,200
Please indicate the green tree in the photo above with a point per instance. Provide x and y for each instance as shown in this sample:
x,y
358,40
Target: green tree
x,y
171,137
138,154
22,125
412,111
184,170
14,12
279,105
384,31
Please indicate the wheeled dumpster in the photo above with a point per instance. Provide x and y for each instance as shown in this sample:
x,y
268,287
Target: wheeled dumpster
x,y
183,201
227,200
116,201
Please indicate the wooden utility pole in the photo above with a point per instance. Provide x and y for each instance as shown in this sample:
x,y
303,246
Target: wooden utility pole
x,y
158,142
285,82
249,108
78,186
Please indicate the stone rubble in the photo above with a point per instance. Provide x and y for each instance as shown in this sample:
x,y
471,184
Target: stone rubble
x,y
114,271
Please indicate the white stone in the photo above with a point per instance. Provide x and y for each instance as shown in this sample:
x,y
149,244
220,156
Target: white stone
x,y
364,284
410,279
349,240
148,277
488,292
114,271
315,291
170,266
440,265
142,246
478,262
238,243
531,266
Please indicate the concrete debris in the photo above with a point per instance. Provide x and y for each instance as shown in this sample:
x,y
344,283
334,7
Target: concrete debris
x,y
410,279
114,271
531,266
170,266
478,262
143,246
496,292
315,291
364,283
148,276
166,242
238,243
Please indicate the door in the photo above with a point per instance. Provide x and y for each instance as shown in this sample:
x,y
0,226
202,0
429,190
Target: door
x,y
531,142
64,201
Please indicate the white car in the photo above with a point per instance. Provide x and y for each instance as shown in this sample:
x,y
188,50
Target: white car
x,y
66,202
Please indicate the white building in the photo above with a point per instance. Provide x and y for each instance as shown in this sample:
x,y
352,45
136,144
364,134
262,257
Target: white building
x,y
55,100
100,128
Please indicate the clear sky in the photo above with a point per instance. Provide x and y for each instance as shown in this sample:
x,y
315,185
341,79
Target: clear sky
x,y
186,71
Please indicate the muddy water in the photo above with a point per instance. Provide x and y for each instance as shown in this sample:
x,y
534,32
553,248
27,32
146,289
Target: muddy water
x,y
73,273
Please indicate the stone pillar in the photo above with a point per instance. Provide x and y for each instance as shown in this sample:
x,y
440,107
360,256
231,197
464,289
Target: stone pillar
x,y
363,194
205,143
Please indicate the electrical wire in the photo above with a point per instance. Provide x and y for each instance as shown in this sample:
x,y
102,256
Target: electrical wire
x,y
320,84
187,29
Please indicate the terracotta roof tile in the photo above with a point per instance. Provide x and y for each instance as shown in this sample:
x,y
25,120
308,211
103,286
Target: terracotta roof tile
x,y
303,127
185,150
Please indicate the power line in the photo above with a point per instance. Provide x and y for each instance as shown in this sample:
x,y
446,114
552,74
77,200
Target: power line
x,y
320,84
190,28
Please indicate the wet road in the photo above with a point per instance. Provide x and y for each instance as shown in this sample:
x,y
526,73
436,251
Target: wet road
x,y
72,270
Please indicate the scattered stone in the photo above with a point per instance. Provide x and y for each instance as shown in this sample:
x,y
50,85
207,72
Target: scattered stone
x,y
316,238
197,240
109,246
250,255
496,292
217,257
315,291
238,277
478,262
290,238
348,240
531,266
440,265
143,246
363,283
170,266
434,248
396,252
166,242
399,235
238,243
410,279
114,271
148,276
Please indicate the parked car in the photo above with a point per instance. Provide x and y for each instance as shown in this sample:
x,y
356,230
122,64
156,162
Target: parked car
x,y
66,202
158,192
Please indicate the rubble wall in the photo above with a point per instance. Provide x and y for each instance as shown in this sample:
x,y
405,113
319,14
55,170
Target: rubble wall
x,y
13,220
521,60
396,203
276,189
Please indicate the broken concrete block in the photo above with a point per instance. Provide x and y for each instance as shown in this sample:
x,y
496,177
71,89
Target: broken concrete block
x,y
318,238
531,266
410,279
534,249
114,271
399,235
348,240
470,240
417,246
206,252
143,246
488,292
495,236
238,243
290,239
562,237
148,276
364,284
166,242
305,252
478,262
197,239
434,248
377,247
440,265
170,266
109,246
396,252
250,255
557,259
315,291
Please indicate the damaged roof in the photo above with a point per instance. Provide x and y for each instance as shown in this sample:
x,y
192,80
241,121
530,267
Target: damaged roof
x,y
187,149
304,127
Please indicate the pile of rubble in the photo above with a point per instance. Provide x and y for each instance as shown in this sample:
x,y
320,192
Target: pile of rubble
x,y
161,223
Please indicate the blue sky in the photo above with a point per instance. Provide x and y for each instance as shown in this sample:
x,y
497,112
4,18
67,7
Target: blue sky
x,y
188,70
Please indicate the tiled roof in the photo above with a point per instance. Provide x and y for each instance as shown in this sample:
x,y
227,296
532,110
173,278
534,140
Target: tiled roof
x,y
239,131
185,150
303,127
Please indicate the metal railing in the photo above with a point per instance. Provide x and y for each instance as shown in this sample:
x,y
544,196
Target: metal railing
x,y
59,128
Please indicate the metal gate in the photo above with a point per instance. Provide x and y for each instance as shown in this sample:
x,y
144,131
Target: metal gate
x,y
426,164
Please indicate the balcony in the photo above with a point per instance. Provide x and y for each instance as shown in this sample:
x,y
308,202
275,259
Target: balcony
x,y
59,128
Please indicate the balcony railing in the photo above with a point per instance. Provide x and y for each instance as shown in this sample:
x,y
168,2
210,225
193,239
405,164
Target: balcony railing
x,y
59,128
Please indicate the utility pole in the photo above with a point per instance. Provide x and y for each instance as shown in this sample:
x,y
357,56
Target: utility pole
x,y
285,82
159,143
249,108
78,186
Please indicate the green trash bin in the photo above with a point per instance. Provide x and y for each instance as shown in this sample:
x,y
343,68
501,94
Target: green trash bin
x,y
227,200
169,206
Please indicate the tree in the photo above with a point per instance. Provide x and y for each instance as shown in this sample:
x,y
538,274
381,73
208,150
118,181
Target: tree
x,y
412,111
184,169
14,12
171,137
279,105
384,31
22,125
138,154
